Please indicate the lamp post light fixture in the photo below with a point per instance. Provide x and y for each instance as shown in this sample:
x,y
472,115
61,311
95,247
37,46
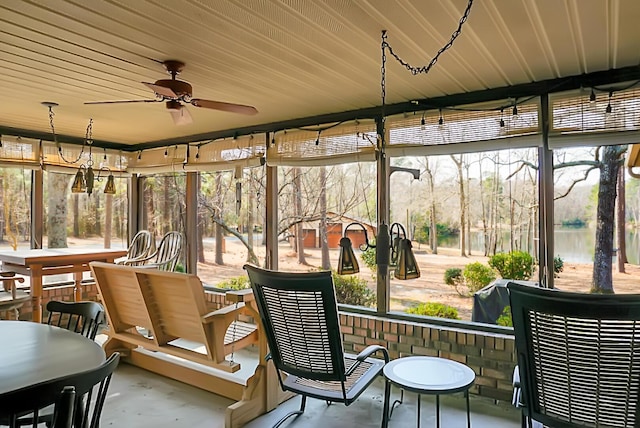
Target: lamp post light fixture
x,y
393,248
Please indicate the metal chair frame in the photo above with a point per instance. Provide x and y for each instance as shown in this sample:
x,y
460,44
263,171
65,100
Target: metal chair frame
x,y
300,318
167,255
577,357
141,246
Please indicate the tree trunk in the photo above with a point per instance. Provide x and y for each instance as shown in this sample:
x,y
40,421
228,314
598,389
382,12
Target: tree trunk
x,y
217,214
57,185
97,230
76,215
324,242
468,213
166,206
463,203
297,185
200,223
433,226
602,281
250,204
108,220
621,217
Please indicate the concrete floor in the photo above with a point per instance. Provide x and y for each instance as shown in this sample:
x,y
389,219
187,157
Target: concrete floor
x,y
138,398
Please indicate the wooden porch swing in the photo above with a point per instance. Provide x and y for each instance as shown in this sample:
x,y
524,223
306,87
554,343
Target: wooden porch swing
x,y
159,321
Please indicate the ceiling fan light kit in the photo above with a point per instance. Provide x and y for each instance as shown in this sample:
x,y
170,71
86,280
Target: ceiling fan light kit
x,y
175,93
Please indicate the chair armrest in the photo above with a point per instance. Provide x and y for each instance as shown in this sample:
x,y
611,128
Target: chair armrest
x,y
372,349
221,313
9,282
236,296
366,353
138,259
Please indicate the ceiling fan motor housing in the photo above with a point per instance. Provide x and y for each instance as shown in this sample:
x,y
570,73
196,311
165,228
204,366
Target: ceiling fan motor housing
x,y
173,105
179,87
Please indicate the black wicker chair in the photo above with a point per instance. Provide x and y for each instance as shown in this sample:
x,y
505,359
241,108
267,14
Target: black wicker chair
x,y
300,319
578,357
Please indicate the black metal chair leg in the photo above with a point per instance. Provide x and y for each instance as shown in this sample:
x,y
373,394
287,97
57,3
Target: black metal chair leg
x,y
393,406
303,403
385,406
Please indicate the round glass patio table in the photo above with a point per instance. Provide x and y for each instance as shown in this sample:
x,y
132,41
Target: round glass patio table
x,y
432,376
32,352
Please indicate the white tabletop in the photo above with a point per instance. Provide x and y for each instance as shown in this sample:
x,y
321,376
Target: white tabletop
x,y
429,375
32,353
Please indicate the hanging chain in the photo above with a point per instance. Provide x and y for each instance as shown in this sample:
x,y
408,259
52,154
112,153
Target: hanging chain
x,y
233,335
88,138
425,69
53,129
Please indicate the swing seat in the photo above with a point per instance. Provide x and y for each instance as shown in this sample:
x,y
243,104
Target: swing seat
x,y
172,308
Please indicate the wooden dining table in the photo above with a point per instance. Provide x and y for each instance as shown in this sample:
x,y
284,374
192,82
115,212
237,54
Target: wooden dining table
x,y
41,262
32,352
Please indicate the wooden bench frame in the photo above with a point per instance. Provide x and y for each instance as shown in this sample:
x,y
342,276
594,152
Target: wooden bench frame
x,y
172,306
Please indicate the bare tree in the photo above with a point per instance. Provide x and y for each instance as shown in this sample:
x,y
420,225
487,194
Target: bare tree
x,y
57,185
621,220
612,157
463,203
324,244
297,204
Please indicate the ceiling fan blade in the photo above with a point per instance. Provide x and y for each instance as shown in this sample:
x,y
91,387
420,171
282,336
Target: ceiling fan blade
x,y
161,90
123,102
181,116
218,105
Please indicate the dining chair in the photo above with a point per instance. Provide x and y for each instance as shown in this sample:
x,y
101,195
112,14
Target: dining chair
x,y
37,404
167,255
84,318
141,246
33,399
12,298
299,314
577,357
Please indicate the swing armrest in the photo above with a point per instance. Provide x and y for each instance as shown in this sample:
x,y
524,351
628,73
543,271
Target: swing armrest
x,y
236,296
222,313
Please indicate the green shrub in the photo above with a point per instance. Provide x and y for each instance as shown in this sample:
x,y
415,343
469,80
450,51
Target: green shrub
x,y
476,276
505,318
352,290
558,264
235,283
517,265
369,257
453,276
434,309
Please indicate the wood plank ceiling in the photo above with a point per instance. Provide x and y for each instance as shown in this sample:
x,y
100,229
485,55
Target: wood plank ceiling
x,y
288,58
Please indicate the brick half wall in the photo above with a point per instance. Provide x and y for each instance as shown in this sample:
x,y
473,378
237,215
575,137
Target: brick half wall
x,y
491,356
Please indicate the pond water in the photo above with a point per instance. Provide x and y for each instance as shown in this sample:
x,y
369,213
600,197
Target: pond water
x,y
573,245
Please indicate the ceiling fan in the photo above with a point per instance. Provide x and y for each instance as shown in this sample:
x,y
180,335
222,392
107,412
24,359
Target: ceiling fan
x,y
176,92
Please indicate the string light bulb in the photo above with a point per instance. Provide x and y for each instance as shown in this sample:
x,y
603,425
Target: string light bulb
x,y
592,96
514,112
166,152
502,117
423,122
440,119
140,155
609,109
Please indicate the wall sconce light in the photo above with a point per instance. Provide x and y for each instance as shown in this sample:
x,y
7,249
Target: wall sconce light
x,y
393,248
83,182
